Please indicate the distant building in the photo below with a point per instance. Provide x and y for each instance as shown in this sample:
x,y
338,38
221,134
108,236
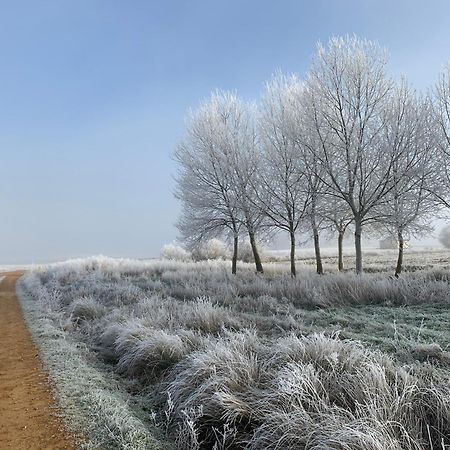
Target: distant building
x,y
390,243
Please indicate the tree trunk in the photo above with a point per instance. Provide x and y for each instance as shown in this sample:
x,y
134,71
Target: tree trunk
x,y
401,244
293,270
358,249
235,254
319,267
340,252
258,264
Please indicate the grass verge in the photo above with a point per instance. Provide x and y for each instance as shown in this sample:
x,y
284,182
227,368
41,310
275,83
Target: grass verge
x,y
94,404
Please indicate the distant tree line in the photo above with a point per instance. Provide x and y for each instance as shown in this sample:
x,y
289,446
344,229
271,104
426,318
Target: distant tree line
x,y
348,146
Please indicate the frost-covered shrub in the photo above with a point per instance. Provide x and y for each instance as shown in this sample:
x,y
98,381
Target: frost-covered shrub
x,y
84,309
211,249
218,378
245,252
209,318
146,352
174,252
430,353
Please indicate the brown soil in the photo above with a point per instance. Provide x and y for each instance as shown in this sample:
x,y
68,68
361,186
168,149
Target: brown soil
x,y
28,413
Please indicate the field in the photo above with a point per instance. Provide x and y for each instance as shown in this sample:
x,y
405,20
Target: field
x,y
164,354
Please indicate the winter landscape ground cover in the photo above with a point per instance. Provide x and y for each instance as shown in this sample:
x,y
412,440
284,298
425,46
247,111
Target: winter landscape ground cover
x,y
184,355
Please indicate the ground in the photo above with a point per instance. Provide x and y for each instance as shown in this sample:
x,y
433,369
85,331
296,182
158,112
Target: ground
x,y
130,345
28,412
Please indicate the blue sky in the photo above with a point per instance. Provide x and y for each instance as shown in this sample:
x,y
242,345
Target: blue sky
x,y
93,95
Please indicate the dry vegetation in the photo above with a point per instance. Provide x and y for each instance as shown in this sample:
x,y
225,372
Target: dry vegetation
x,y
337,361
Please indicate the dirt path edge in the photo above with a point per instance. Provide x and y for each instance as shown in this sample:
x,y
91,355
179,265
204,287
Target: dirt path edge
x,y
29,415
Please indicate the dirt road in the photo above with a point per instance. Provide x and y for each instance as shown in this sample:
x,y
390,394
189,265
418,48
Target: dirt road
x,y
28,418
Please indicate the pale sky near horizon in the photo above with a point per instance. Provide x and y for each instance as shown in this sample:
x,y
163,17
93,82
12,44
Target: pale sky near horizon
x,y
94,93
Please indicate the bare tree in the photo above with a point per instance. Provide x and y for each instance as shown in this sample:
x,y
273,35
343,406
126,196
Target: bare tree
x,y
293,190
205,182
347,91
283,196
243,163
409,206
317,192
441,109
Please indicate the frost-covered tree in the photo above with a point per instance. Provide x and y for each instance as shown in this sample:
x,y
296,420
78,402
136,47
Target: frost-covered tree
x,y
441,109
211,249
205,181
283,193
409,205
292,189
348,146
317,192
347,92
244,161
218,162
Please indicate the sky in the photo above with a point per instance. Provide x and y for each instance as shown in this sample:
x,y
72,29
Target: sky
x,y
94,94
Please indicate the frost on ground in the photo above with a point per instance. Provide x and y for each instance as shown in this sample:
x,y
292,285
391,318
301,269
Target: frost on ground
x,y
257,362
